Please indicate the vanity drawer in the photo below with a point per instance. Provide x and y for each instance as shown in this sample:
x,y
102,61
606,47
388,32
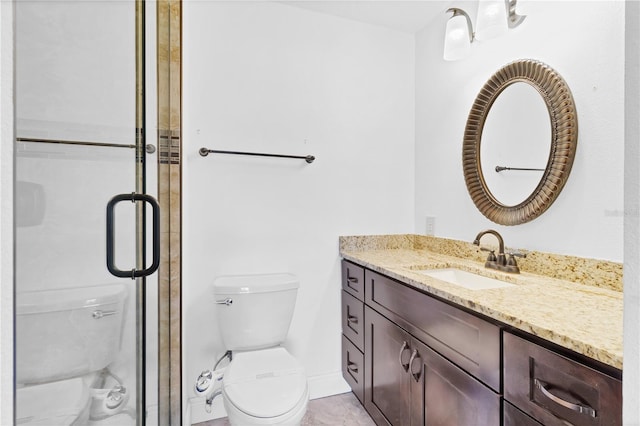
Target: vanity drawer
x,y
468,341
353,279
515,417
556,390
353,368
353,319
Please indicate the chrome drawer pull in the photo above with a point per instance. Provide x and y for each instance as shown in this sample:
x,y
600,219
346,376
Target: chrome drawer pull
x,y
352,366
101,314
414,356
352,319
405,346
571,406
352,279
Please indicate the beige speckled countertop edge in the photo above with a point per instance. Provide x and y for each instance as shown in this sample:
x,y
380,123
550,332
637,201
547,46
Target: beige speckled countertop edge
x,y
593,272
575,316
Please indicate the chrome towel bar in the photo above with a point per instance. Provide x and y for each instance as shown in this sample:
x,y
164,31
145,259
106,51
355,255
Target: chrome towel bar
x,y
149,147
66,142
501,168
206,151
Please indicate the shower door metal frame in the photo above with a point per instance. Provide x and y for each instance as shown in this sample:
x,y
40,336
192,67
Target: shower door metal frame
x,y
140,148
140,188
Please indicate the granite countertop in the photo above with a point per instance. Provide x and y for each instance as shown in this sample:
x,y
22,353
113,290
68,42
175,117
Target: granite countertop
x,y
584,316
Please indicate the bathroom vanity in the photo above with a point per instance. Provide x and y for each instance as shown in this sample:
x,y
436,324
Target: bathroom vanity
x,y
418,350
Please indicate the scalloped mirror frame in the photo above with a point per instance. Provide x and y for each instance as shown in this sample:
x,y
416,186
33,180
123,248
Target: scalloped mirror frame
x,y
564,138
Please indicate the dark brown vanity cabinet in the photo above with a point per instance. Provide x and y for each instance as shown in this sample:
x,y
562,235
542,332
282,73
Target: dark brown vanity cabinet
x,y
466,340
407,383
353,327
556,390
412,359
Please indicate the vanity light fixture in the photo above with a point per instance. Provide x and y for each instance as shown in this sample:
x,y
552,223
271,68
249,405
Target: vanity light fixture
x,y
458,35
495,17
491,21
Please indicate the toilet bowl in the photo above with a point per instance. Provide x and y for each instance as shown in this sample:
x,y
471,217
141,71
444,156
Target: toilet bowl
x,y
264,384
61,403
265,387
64,338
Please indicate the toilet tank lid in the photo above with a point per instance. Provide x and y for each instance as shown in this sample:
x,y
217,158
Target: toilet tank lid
x,y
257,283
33,302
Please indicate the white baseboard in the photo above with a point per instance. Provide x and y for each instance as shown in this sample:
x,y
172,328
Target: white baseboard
x,y
319,387
197,413
327,385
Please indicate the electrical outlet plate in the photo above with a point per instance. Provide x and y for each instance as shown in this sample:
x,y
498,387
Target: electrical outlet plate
x,y
431,225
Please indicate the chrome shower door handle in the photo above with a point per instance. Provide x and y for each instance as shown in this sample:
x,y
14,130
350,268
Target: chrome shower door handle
x,y
132,273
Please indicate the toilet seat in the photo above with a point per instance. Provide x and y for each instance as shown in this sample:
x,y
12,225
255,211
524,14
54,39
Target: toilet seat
x,y
266,383
292,418
61,403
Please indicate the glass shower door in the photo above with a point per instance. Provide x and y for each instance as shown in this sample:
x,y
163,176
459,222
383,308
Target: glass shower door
x,y
86,350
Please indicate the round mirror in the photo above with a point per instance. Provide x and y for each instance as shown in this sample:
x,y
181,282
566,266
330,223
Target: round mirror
x,y
516,140
519,142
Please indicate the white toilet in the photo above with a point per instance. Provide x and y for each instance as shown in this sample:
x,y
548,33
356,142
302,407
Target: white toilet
x,y
263,384
62,336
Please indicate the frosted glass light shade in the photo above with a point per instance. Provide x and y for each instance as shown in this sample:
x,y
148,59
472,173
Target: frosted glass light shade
x,y
457,41
492,19
523,7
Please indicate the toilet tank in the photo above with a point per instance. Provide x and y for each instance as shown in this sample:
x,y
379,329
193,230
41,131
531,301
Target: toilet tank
x,y
67,333
259,311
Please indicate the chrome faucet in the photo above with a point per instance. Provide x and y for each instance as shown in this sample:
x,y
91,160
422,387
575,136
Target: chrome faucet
x,y
499,262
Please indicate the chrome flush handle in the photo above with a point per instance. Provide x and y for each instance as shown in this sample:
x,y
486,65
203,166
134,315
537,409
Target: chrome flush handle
x,y
228,301
97,314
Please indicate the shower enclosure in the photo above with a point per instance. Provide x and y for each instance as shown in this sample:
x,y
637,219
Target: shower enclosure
x,y
87,224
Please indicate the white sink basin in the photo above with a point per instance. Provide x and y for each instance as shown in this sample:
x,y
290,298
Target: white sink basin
x,y
464,279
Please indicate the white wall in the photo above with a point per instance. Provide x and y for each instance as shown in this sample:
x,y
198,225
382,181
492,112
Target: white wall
x,y
631,390
584,42
6,212
268,77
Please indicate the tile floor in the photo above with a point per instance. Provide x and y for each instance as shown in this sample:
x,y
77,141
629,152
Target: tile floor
x,y
343,409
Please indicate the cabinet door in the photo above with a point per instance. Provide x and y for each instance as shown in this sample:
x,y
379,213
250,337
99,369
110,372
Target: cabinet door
x,y
444,395
387,387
